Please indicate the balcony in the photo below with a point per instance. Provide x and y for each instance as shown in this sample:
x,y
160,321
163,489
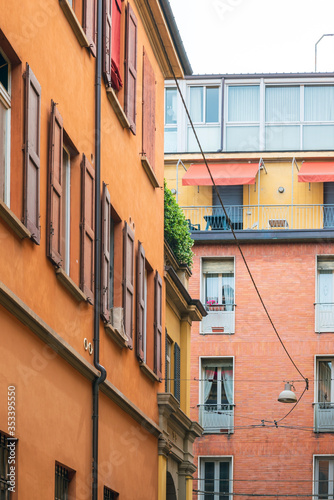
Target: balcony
x,y
324,317
259,217
323,417
217,418
220,320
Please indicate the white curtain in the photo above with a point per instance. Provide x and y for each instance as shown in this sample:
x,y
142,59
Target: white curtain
x,y
282,104
319,103
244,103
209,375
324,383
196,104
228,291
211,288
227,380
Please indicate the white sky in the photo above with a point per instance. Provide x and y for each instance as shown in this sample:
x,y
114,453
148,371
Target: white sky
x,y
256,36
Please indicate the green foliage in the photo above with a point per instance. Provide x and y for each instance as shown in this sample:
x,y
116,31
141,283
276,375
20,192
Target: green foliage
x,y
177,232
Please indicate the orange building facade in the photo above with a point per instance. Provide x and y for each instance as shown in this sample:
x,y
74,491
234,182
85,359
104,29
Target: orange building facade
x,y
67,323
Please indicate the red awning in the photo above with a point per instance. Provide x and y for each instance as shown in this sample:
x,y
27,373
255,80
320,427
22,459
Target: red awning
x,y
316,171
224,174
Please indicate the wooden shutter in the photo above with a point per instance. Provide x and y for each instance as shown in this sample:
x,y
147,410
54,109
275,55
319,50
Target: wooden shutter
x,y
140,301
116,80
105,249
148,111
166,366
87,229
55,176
177,371
107,34
89,22
158,325
130,68
32,131
128,279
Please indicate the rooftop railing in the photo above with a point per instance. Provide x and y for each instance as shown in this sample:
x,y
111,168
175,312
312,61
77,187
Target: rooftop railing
x,y
257,217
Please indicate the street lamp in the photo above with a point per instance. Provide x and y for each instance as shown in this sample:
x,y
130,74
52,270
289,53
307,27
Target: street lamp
x,y
316,47
287,396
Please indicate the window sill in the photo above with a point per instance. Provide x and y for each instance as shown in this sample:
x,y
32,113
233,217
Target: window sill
x,y
150,172
13,222
119,339
149,373
74,23
117,108
70,285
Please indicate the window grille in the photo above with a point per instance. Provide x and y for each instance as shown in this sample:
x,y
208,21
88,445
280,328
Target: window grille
x,y
61,483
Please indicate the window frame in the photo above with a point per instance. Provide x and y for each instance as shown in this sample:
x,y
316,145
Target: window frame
x,y
66,222
318,304
316,458
202,459
6,100
70,474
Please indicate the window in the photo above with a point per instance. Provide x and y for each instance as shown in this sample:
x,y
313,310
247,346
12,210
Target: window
x,y
216,477
112,43
130,68
205,114
168,382
282,130
218,296
170,120
66,208
243,118
63,477
216,399
324,311
109,494
148,109
324,477
324,407
319,117
4,485
5,105
177,371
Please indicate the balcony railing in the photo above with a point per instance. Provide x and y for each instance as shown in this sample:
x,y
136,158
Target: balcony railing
x,y
324,417
220,319
217,418
205,218
324,317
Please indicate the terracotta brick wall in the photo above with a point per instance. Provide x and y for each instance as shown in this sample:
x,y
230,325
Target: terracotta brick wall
x,y
267,460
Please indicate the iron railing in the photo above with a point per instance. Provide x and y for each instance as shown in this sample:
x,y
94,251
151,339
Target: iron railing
x,y
4,486
217,418
212,217
219,320
324,317
61,483
324,417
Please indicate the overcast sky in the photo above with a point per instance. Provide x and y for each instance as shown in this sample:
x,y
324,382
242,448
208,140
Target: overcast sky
x,y
256,36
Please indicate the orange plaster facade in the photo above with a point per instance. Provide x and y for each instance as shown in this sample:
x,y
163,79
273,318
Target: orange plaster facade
x,y
46,322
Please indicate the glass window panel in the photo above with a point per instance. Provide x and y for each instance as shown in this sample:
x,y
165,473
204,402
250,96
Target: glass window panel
x,y
282,104
224,485
3,117
209,483
4,72
170,140
209,136
212,105
244,103
171,106
323,477
324,382
319,103
210,385
196,104
318,136
282,138
242,138
211,288
228,291
227,383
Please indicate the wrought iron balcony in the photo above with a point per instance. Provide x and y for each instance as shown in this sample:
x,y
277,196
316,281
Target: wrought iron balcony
x,y
206,218
324,317
217,418
219,320
323,417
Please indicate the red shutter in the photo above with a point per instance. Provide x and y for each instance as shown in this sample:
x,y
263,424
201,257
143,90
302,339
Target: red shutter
x,y
130,68
105,259
140,301
158,325
116,80
128,279
87,229
107,34
148,111
89,22
54,212
32,132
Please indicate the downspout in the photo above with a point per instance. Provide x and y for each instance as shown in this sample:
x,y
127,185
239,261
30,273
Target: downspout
x,y
97,254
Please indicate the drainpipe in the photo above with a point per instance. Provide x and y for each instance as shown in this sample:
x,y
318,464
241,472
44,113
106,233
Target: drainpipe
x,y
97,254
